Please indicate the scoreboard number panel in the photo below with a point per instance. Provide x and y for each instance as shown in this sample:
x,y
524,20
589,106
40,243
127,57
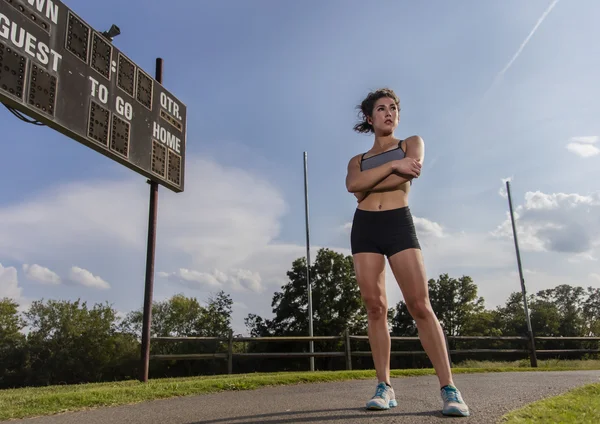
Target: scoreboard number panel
x,y
59,70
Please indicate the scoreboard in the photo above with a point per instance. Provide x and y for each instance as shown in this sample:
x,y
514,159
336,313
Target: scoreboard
x,y
59,70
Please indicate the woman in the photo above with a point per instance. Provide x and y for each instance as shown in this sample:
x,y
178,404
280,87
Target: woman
x,y
383,227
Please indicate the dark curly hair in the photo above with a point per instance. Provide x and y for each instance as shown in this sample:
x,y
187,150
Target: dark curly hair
x,y
367,105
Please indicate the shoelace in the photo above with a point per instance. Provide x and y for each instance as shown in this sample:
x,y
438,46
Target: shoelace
x,y
380,391
450,396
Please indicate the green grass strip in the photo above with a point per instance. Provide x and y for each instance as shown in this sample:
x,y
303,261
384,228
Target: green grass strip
x,y
580,405
38,401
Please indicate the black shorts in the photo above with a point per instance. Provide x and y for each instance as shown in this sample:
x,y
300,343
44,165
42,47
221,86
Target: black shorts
x,y
385,232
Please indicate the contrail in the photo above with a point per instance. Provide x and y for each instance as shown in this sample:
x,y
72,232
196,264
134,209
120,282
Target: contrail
x,y
522,46
478,108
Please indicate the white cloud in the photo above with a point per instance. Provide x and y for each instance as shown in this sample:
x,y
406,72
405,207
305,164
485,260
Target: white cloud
x,y
196,278
586,139
426,227
244,216
582,257
347,227
583,150
274,260
558,222
224,216
595,276
234,280
9,283
583,146
75,217
465,250
86,278
226,220
41,274
246,279
539,200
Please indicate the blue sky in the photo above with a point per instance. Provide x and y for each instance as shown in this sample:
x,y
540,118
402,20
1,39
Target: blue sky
x,y
496,89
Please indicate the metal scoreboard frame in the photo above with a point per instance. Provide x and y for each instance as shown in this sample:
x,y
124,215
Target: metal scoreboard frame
x,y
59,70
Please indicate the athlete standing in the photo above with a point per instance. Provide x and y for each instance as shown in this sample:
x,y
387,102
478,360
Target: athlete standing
x,y
382,228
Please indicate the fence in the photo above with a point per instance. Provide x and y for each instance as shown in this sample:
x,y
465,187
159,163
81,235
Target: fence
x,y
348,353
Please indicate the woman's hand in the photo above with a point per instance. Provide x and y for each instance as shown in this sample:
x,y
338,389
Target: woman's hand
x,y
407,166
361,195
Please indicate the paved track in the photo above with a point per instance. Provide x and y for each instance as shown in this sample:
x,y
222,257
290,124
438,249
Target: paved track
x,y
488,395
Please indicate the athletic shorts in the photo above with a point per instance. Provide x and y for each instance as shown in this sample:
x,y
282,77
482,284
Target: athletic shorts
x,y
386,232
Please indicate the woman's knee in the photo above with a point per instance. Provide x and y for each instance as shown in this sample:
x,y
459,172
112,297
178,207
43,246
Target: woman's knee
x,y
419,308
376,306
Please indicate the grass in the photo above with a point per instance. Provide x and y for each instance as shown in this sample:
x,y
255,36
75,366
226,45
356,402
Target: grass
x,y
37,401
580,405
545,365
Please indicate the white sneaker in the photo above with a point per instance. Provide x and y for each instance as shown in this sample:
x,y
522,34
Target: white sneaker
x,y
454,405
384,398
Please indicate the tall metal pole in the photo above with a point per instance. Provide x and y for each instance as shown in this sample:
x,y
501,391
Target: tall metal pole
x,y
150,255
308,285
533,356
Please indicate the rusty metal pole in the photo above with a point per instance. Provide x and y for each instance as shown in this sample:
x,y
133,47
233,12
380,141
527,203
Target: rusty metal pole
x,y
150,255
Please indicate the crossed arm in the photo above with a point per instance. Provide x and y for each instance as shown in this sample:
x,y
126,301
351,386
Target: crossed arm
x,y
382,178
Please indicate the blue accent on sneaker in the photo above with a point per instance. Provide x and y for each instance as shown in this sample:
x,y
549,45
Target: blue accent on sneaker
x,y
384,398
453,402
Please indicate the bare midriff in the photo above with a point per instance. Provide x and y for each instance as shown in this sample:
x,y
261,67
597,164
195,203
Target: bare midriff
x,y
386,200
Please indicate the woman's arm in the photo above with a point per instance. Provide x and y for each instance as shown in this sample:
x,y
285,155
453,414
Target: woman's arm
x,y
357,180
415,149
391,182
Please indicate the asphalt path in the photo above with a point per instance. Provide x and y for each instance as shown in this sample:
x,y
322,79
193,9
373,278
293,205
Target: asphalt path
x,y
489,396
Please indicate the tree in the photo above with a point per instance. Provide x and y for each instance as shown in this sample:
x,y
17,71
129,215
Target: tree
x,y
181,316
402,322
216,320
512,316
258,326
11,323
483,323
454,302
568,302
71,343
12,341
337,303
591,313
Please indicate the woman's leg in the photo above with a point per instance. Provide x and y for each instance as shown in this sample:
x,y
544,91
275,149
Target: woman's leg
x,y
370,275
409,271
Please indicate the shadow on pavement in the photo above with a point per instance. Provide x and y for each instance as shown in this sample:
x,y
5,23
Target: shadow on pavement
x,y
292,417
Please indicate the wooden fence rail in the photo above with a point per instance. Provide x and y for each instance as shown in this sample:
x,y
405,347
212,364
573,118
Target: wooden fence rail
x,y
348,353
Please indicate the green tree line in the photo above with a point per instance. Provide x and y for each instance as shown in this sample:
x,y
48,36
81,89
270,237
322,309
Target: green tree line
x,y
69,342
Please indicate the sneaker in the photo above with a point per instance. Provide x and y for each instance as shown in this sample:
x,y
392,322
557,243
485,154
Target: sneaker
x,y
384,398
454,404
